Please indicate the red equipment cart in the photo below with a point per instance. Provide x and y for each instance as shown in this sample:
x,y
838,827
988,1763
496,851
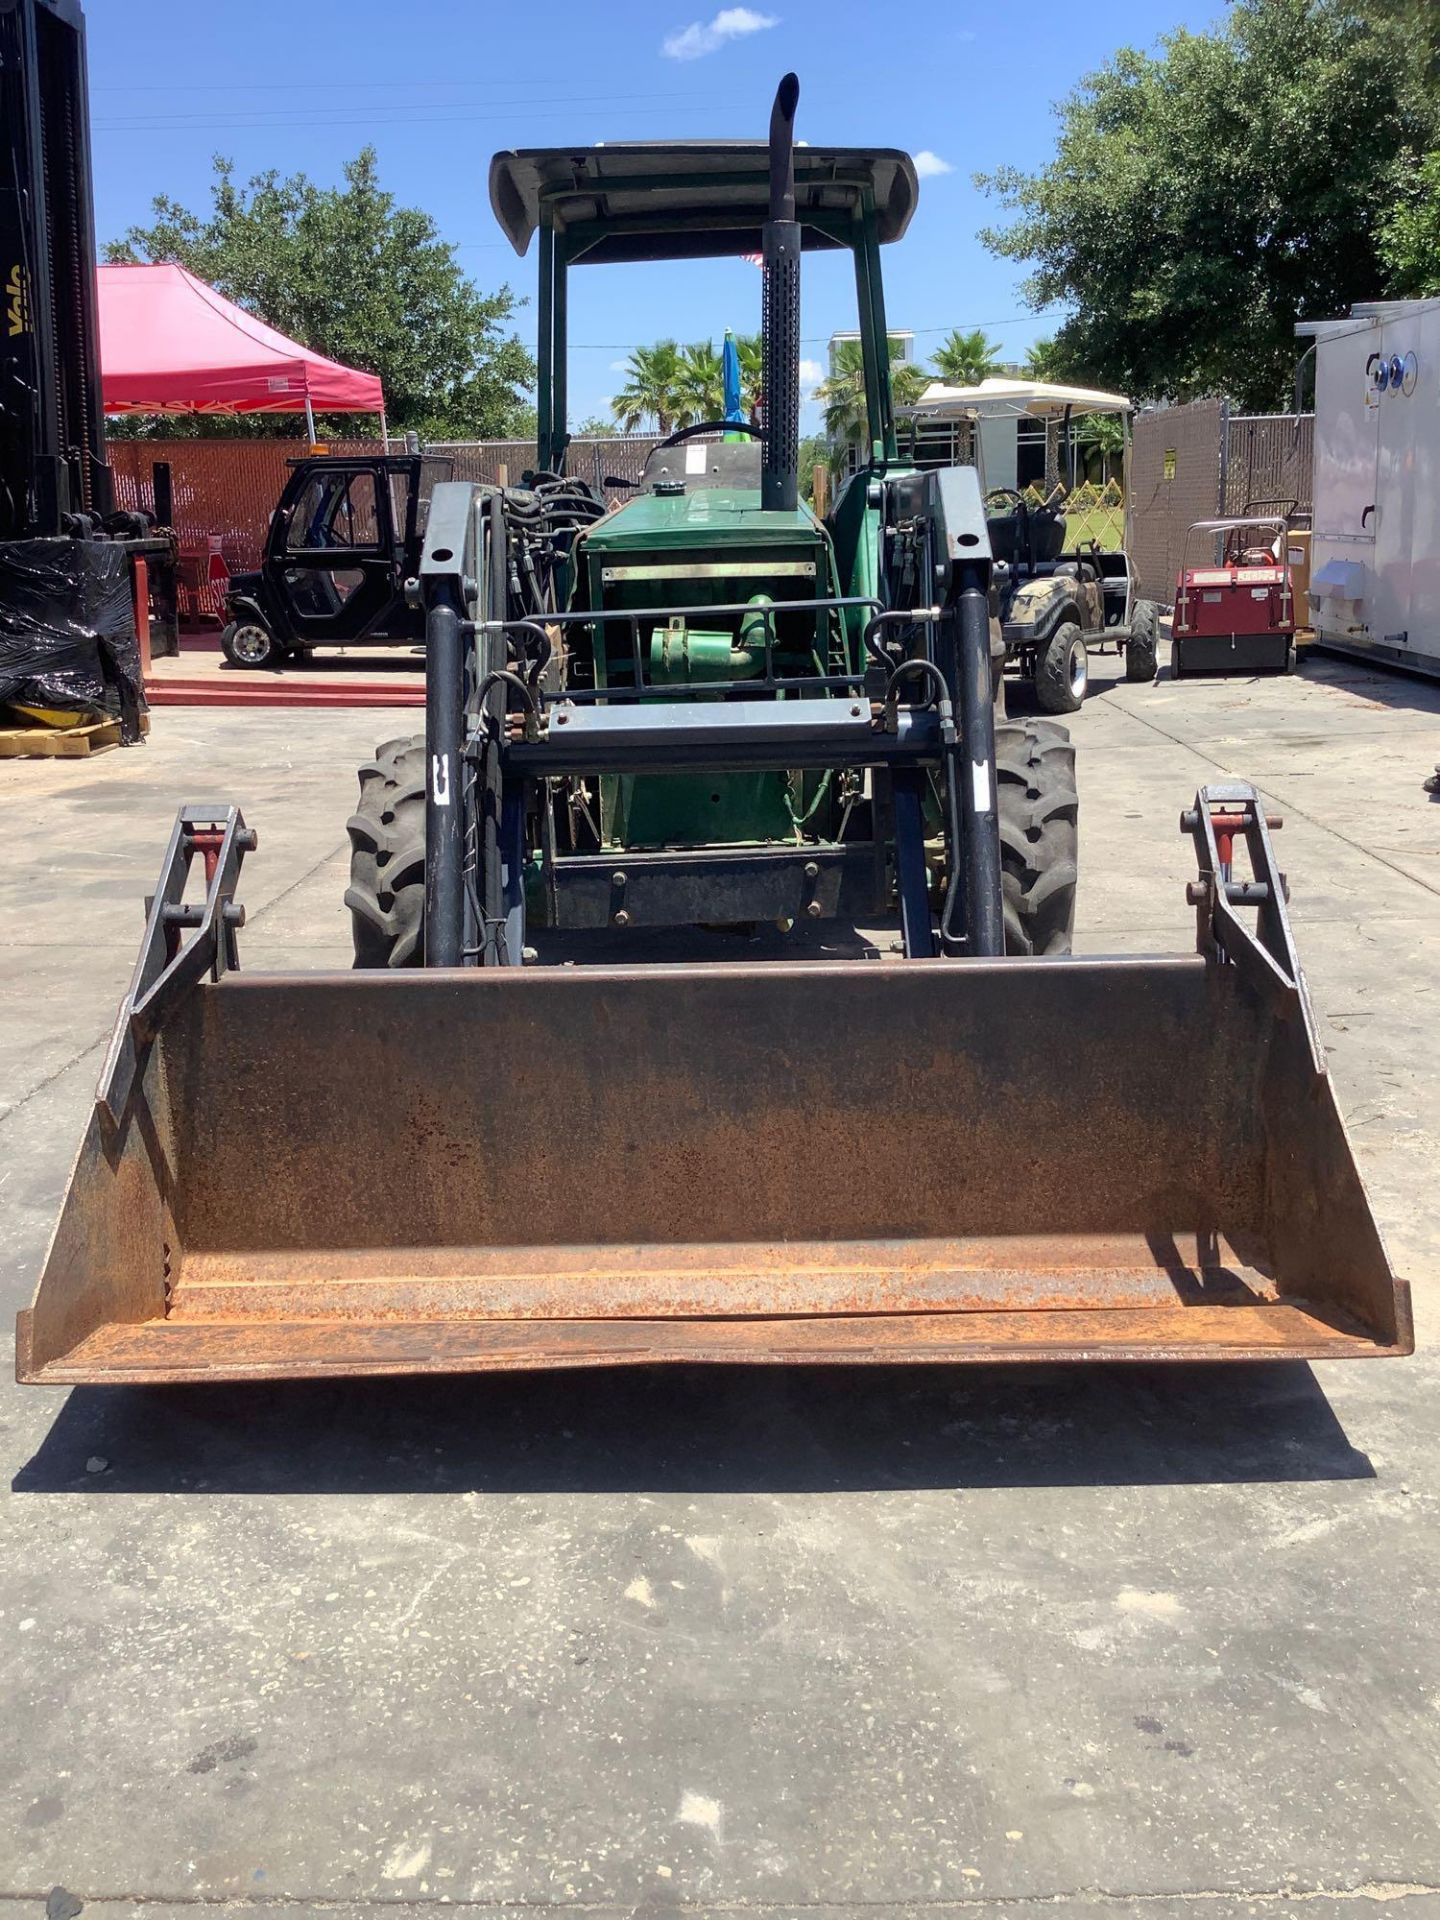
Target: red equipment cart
x,y
1234,607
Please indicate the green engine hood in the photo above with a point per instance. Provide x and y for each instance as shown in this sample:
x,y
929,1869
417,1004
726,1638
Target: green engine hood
x,y
708,517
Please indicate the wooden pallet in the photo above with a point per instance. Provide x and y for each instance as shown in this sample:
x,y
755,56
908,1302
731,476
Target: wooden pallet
x,y
62,743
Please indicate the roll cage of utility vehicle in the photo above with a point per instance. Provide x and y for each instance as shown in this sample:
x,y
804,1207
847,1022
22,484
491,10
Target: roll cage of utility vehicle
x,y
1059,595
345,536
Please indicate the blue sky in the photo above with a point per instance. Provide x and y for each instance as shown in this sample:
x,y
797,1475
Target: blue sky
x,y
437,85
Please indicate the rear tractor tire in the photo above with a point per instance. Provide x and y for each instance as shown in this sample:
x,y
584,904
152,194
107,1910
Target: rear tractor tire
x,y
386,894
1142,648
1062,670
1038,808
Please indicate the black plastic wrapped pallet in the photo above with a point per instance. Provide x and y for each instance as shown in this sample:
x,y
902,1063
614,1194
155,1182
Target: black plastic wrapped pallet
x,y
67,629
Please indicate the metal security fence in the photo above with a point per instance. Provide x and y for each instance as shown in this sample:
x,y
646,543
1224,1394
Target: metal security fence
x,y
1174,481
222,489
227,489
620,456
1193,462
1268,460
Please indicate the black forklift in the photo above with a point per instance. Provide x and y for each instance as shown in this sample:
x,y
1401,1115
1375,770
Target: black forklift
x,y
70,561
344,539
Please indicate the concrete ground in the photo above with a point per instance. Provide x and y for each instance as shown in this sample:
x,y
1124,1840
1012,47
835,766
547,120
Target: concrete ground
x,y
1133,1642
200,659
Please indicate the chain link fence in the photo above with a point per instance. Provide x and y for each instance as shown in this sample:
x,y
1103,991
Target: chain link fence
x,y
222,489
1187,463
1196,462
1174,480
226,490
1268,463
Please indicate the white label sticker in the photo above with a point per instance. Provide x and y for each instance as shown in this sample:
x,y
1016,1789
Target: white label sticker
x,y
440,779
980,777
695,456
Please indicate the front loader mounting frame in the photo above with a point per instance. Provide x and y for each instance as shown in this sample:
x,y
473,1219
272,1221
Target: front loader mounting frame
x,y
480,663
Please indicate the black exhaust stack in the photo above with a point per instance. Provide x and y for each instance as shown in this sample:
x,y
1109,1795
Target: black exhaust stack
x,y
779,480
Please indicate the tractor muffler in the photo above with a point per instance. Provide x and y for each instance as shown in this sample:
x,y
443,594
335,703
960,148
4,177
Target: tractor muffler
x,y
435,1171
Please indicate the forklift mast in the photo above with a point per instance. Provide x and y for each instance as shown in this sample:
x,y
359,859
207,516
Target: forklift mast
x,y
52,445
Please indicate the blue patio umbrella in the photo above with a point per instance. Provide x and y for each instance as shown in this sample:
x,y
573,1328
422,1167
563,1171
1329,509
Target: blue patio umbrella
x,y
730,367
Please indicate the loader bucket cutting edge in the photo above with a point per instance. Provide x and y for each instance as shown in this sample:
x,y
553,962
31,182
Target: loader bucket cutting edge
x,y
431,1172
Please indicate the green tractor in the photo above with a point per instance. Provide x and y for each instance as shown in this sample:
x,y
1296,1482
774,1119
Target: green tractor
x,y
706,709
708,706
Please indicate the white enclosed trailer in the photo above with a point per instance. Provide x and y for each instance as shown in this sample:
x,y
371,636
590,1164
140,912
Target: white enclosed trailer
x,y
1375,565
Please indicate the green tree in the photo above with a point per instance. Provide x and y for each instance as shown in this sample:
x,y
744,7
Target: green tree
x,y
1104,433
816,451
593,427
842,395
751,350
965,359
649,395
1045,360
352,275
1409,235
1203,199
699,384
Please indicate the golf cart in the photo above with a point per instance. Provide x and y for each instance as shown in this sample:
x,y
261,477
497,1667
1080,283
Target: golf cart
x,y
1234,604
1062,592
343,540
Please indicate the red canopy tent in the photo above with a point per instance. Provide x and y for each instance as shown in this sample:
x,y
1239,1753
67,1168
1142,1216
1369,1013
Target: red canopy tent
x,y
170,344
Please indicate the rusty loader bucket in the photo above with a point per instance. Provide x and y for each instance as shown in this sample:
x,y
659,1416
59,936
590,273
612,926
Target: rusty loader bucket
x,y
1130,1159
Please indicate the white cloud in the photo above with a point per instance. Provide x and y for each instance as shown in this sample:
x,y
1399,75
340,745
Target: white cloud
x,y
619,366
702,37
811,374
928,164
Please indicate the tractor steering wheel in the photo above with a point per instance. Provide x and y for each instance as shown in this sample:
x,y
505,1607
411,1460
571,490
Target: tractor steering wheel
x,y
1012,494
710,426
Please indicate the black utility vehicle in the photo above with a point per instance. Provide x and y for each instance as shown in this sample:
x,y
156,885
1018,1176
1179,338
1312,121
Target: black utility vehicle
x,y
343,541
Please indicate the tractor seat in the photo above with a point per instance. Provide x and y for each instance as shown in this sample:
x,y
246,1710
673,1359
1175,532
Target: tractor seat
x,y
1047,533
1003,541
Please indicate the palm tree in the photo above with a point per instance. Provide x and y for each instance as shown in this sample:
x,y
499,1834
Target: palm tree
x,y
1044,360
699,384
652,377
1105,432
842,396
751,349
966,359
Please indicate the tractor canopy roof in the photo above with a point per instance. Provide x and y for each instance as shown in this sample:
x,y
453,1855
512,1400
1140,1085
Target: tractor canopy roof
x,y
691,199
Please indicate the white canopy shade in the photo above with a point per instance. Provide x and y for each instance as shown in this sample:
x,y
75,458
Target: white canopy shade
x,y
1016,399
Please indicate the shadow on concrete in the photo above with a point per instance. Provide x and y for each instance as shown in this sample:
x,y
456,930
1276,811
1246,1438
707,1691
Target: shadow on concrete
x,y
705,1430
1384,687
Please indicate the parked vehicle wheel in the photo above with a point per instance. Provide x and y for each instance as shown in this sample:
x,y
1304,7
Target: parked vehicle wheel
x,y
1141,662
386,894
1062,670
1177,665
1038,809
248,643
